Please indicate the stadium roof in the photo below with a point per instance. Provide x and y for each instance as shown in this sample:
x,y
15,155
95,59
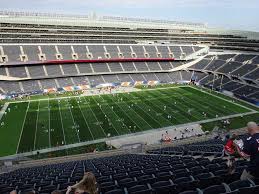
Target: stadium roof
x,y
93,20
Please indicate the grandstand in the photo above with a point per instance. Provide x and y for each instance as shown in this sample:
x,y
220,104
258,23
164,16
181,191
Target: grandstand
x,y
73,81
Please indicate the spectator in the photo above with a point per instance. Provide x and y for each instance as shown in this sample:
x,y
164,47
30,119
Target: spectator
x,y
230,148
86,186
250,149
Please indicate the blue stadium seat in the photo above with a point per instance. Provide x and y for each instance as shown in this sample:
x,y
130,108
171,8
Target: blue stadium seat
x,y
139,189
216,189
186,183
241,184
116,191
163,187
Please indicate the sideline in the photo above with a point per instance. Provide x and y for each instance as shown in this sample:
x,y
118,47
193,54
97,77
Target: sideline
x,y
237,104
118,137
2,111
116,91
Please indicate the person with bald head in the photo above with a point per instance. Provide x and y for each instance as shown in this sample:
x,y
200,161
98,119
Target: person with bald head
x,y
250,149
252,128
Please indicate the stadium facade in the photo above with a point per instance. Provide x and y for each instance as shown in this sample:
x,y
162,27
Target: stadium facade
x,y
43,51
50,53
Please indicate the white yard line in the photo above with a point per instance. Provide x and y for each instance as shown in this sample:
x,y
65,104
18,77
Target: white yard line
x,y
126,135
72,116
116,114
97,94
105,114
224,99
179,107
35,134
182,105
2,111
85,119
49,126
62,124
95,116
22,127
135,113
138,114
196,104
148,113
143,90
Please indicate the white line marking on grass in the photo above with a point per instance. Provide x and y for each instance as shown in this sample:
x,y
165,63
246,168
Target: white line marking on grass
x,y
155,105
125,135
132,120
105,114
118,92
192,103
224,99
116,114
22,127
215,110
35,134
175,107
62,124
49,125
95,117
72,116
136,112
152,116
85,119
3,110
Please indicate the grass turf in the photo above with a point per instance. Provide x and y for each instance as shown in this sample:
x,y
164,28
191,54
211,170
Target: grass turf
x,y
40,124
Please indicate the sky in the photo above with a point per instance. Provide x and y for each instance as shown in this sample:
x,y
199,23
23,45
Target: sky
x,y
228,14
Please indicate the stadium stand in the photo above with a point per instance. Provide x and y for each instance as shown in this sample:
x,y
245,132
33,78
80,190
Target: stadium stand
x,y
241,66
177,170
47,55
33,57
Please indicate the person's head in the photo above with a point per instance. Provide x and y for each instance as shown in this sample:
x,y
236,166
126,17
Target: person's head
x,y
227,136
252,128
87,184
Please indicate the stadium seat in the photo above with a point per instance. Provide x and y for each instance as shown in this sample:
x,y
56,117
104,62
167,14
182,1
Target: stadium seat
x,y
197,170
146,179
139,189
116,191
135,173
186,183
248,190
197,191
107,186
164,176
213,167
64,185
162,187
104,179
241,184
216,189
120,176
48,189
207,179
127,182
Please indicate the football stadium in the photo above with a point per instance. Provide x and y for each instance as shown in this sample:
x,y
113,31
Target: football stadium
x,y
131,105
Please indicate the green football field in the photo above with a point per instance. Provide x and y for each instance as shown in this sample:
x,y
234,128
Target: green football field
x,y
46,123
